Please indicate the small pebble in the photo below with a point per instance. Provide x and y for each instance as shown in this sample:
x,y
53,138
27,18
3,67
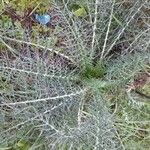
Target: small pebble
x,y
43,19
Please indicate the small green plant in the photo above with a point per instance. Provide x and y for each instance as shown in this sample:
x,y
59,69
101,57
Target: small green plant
x,y
21,6
53,93
78,10
23,145
93,71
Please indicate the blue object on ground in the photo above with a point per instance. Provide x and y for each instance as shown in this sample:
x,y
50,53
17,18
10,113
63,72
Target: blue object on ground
x,y
43,19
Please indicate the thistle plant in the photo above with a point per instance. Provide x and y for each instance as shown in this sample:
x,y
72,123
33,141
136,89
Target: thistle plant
x,y
55,85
